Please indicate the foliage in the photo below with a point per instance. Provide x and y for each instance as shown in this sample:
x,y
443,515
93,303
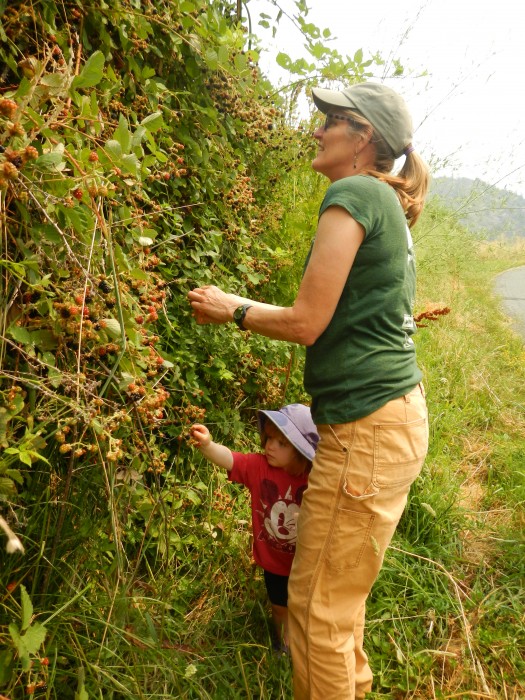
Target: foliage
x,y
138,151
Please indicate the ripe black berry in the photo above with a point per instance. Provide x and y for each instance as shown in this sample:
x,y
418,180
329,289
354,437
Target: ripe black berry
x,y
104,287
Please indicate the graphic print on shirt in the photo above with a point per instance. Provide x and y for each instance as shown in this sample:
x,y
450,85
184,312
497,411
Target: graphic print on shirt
x,y
410,246
279,514
409,325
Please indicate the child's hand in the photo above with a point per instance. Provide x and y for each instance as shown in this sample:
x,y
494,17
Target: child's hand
x,y
200,435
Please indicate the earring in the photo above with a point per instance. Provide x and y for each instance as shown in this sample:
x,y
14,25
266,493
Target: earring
x,y
355,161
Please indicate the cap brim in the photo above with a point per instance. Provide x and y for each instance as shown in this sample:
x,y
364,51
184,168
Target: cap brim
x,y
325,100
289,430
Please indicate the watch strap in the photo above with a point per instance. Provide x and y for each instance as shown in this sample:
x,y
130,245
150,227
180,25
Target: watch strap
x,y
240,314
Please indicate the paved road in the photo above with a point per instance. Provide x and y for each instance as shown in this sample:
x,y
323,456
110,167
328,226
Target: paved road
x,y
510,286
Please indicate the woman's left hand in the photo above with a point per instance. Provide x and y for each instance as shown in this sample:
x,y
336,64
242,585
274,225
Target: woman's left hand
x,y
211,305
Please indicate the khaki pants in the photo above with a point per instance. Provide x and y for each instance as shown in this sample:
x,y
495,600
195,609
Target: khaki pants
x,y
356,494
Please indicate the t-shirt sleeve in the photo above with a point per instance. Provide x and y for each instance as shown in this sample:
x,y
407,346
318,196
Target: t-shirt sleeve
x,y
241,472
354,194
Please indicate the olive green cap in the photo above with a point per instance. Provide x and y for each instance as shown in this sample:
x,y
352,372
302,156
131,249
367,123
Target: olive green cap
x,y
382,106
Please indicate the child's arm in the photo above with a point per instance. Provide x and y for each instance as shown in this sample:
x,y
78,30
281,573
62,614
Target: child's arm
x,y
218,454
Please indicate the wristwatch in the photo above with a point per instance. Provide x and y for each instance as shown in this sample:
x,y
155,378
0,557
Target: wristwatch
x,y
240,314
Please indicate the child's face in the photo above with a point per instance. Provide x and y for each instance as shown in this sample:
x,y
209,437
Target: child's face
x,y
280,452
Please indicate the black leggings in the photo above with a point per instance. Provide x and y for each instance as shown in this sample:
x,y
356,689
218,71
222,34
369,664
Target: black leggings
x,y
277,588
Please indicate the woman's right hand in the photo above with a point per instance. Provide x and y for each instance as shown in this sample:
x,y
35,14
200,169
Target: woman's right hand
x,y
211,305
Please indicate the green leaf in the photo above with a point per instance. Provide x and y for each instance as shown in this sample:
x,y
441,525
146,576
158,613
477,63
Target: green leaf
x,y
131,163
318,50
17,639
114,148
193,497
17,404
24,88
20,334
139,134
49,358
15,475
283,60
92,72
79,217
139,274
27,607
122,134
6,666
46,232
81,693
112,327
54,80
49,161
211,58
25,458
44,340
34,637
16,268
7,487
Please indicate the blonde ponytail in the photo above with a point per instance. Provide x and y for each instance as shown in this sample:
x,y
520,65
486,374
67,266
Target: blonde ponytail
x,y
412,181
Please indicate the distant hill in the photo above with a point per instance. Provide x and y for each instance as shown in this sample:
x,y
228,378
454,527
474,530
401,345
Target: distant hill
x,y
484,209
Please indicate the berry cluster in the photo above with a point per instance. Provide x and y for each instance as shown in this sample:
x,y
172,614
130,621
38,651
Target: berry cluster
x,y
15,152
258,115
431,314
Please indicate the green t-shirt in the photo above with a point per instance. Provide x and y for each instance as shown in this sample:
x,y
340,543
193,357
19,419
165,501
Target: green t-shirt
x,y
366,356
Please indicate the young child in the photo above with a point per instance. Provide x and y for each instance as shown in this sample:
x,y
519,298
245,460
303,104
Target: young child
x,y
277,481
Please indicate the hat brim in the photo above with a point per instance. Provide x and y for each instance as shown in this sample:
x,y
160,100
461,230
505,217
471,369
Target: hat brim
x,y
289,430
325,100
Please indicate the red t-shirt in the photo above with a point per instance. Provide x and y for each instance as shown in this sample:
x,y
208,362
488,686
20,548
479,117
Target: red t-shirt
x,y
275,500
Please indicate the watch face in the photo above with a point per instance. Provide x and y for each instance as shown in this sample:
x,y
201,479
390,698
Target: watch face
x,y
238,314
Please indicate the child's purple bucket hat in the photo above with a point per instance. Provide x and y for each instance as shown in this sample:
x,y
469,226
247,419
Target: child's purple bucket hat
x,y
296,424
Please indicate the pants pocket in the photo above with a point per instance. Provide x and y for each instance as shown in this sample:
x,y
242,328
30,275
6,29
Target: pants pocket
x,y
399,452
350,536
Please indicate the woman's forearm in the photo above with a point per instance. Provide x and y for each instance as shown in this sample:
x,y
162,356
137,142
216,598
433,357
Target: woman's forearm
x,y
290,323
279,323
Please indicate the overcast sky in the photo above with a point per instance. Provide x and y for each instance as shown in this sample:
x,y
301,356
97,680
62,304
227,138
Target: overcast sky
x,y
469,110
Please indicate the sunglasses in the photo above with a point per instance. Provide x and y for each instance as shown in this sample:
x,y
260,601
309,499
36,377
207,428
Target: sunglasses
x,y
332,119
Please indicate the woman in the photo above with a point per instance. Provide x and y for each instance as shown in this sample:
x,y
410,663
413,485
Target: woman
x,y
354,312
